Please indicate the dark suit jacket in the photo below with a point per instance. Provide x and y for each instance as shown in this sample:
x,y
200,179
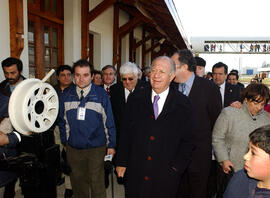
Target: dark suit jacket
x,y
206,101
118,102
232,94
156,152
4,87
241,85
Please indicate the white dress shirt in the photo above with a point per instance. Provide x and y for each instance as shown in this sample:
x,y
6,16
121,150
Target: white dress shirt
x,y
127,92
86,90
161,100
222,91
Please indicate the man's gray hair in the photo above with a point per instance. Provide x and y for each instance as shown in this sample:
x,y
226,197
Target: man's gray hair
x,y
128,68
166,58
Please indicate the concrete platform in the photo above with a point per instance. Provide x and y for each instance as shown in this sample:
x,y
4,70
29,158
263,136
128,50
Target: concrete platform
x,y
118,190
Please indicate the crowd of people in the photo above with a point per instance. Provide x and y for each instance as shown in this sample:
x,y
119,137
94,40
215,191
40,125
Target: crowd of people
x,y
170,131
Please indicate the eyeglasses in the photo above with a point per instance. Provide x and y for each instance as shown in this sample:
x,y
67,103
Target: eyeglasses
x,y
129,79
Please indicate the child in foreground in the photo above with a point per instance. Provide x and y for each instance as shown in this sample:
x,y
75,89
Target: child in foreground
x,y
254,180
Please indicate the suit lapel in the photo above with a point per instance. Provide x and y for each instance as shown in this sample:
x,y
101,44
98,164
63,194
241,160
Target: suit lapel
x,y
227,94
168,105
194,88
122,94
148,101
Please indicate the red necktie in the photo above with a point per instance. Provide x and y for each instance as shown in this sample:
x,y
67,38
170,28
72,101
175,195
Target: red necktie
x,y
108,91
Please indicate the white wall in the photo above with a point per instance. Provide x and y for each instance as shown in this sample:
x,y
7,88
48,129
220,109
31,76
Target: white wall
x,y
125,49
72,31
138,37
24,55
5,37
102,28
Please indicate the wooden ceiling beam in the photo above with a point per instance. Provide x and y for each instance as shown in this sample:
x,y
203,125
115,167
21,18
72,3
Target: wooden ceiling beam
x,y
142,8
100,8
139,43
129,2
16,27
134,12
115,35
129,26
131,10
157,6
154,32
84,29
152,48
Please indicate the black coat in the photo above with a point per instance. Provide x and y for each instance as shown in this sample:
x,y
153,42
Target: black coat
x,y
205,98
156,152
231,94
118,102
5,88
206,101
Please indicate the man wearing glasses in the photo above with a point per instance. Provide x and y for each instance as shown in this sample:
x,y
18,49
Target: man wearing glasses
x,y
120,93
108,77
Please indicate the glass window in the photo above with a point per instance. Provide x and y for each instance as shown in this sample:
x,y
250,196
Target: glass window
x,y
54,58
31,52
31,31
32,72
46,35
47,5
54,37
47,57
54,5
50,49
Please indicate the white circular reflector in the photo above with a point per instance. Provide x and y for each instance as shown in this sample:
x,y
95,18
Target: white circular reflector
x,y
33,106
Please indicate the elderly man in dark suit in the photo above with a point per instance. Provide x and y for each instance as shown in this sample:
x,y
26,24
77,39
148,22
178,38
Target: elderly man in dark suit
x,y
120,92
206,101
229,93
108,77
157,136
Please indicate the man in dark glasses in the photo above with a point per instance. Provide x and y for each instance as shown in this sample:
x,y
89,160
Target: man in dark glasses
x,y
120,92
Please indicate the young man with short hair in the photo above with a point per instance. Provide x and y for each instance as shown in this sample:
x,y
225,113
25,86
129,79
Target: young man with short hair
x,y
87,130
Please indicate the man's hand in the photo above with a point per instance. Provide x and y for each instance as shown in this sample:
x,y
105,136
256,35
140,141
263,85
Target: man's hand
x,y
110,151
226,166
3,139
120,171
236,104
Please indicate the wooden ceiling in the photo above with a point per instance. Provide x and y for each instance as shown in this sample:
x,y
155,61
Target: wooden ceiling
x,y
158,20
153,16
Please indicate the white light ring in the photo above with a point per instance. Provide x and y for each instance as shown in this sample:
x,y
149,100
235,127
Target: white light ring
x,y
25,98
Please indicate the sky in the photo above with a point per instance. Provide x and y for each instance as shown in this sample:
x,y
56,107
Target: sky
x,y
226,18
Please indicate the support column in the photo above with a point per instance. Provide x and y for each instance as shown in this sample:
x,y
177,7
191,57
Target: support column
x,y
16,27
85,28
143,48
115,35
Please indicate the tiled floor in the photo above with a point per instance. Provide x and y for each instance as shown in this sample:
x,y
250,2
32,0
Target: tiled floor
x,y
118,190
